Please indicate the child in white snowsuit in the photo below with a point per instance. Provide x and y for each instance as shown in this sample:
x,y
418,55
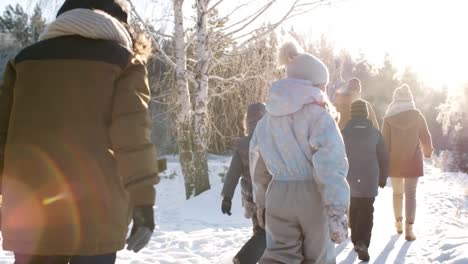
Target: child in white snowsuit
x,y
253,249
304,202
368,169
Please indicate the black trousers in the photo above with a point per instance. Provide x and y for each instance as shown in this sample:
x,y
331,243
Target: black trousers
x,y
32,259
361,219
254,248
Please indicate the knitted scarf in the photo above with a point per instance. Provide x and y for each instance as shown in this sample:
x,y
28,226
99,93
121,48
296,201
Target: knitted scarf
x,y
93,24
397,107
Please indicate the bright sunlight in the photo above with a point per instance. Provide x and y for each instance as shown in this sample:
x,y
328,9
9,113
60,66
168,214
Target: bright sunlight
x,y
428,36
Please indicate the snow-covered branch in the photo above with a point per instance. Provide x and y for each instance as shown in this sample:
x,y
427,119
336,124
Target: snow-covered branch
x,y
265,30
161,52
214,6
244,23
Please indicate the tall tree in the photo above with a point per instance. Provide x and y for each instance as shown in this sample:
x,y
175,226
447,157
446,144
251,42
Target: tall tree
x,y
192,84
37,24
24,29
15,21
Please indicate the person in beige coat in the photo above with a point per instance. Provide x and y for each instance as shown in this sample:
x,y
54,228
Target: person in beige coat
x,y
408,138
345,97
76,157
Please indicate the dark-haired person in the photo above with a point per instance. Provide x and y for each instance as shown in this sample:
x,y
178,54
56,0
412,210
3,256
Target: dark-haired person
x,y
239,169
368,169
75,140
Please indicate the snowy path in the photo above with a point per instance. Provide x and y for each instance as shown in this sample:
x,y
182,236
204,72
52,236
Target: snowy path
x,y
195,231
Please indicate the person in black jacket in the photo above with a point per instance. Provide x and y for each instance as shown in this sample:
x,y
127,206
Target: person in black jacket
x,y
368,169
239,169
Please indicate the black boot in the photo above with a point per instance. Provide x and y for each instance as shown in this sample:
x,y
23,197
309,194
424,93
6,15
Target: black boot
x,y
363,253
253,250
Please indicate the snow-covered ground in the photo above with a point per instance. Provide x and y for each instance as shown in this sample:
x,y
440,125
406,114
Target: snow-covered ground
x,y
195,231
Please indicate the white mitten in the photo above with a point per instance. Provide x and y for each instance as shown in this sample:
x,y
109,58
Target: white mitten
x,y
249,209
261,217
338,224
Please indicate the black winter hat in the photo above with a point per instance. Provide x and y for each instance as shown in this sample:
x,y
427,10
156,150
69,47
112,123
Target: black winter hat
x,y
255,112
359,109
115,8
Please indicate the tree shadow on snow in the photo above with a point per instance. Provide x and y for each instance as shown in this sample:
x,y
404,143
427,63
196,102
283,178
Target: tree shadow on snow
x,y
383,256
403,252
341,247
350,258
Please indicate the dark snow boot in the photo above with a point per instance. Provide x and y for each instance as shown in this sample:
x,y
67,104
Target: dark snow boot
x,y
363,253
252,251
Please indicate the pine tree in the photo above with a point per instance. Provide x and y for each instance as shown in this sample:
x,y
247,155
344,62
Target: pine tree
x,y
37,24
15,22
24,29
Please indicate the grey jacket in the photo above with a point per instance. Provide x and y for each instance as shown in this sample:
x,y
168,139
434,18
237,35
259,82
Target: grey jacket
x,y
367,156
239,169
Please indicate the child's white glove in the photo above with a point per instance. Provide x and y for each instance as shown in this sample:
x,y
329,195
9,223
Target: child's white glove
x,y
261,217
249,209
338,224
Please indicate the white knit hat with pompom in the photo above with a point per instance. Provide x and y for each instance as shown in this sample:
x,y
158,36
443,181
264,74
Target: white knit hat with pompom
x,y
301,65
403,93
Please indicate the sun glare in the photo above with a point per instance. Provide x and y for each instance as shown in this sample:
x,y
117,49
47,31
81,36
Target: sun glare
x,y
428,36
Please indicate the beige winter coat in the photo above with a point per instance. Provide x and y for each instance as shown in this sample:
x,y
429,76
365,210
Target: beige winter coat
x,y
407,137
75,141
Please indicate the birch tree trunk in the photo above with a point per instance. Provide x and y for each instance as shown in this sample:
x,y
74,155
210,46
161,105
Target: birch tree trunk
x,y
201,120
185,133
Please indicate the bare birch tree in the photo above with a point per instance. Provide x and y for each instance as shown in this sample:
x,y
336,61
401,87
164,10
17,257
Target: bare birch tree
x,y
190,141
192,120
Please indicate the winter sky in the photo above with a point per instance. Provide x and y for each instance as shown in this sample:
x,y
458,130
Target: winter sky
x,y
426,35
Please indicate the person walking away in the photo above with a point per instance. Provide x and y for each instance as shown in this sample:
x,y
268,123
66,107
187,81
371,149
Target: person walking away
x,y
251,252
345,97
368,169
75,143
304,202
408,138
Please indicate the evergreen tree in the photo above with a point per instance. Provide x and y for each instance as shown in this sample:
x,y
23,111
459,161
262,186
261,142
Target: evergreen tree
x,y
37,24
15,22
24,29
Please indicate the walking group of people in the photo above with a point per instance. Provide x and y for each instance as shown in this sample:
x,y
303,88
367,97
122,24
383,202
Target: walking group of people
x,y
311,168
77,163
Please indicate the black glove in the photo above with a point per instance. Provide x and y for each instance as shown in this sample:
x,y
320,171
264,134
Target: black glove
x,y
143,227
162,165
382,184
226,206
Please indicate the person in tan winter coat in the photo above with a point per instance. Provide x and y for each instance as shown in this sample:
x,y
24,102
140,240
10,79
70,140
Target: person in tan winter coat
x,y
408,138
345,97
78,162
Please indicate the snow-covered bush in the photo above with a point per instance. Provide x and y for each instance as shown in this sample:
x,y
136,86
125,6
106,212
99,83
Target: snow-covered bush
x,y
453,116
445,161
